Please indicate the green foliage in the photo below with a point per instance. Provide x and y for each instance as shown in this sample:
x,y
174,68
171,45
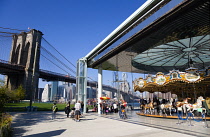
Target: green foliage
x,y
3,98
20,93
17,94
40,106
10,95
5,125
90,106
5,119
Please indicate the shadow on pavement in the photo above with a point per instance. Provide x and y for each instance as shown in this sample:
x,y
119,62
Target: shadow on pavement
x,y
23,119
48,134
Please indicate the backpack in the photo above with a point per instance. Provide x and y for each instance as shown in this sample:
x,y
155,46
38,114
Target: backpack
x,y
65,110
56,108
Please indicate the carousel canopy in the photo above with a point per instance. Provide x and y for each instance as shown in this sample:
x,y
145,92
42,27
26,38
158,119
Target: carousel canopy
x,y
175,82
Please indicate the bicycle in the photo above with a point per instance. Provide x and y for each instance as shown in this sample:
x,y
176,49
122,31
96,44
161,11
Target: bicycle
x,y
123,114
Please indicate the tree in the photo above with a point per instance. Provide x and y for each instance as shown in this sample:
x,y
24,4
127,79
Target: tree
x,y
17,94
3,98
10,95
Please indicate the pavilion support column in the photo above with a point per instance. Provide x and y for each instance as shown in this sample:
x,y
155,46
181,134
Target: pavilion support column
x,y
99,88
81,82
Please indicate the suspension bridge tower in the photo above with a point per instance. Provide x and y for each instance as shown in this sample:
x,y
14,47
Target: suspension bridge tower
x,y
25,51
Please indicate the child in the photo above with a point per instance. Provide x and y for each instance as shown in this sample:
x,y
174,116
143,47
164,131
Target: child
x,y
54,110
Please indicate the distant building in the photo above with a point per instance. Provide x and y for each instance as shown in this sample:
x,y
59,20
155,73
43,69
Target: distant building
x,y
39,94
46,93
54,90
65,92
91,92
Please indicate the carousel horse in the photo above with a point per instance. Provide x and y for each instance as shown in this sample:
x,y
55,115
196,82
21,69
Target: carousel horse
x,y
148,107
198,103
168,106
195,106
182,106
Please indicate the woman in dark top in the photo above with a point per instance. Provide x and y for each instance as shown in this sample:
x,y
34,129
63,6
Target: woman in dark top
x,y
67,110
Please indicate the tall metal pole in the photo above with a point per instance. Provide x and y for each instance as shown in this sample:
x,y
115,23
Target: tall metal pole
x,y
118,94
85,86
99,88
132,92
117,79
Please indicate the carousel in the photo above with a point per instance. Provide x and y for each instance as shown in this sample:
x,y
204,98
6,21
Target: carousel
x,y
191,88
179,67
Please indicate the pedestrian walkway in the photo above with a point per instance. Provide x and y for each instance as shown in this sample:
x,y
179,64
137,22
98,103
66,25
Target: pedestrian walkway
x,y
40,124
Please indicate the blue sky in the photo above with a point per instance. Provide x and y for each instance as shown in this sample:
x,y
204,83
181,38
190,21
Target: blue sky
x,y
73,27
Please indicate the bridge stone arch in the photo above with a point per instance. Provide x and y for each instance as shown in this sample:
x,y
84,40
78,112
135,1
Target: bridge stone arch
x,y
25,51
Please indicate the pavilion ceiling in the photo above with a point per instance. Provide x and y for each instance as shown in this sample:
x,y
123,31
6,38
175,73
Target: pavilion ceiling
x,y
166,44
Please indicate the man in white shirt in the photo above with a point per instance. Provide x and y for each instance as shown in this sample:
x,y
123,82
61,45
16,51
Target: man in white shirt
x,y
77,107
115,107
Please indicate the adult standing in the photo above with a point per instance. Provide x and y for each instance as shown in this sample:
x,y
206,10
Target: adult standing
x,y
115,107
67,109
82,107
103,107
124,103
77,107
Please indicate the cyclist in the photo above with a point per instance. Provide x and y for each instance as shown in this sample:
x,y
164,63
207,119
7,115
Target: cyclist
x,y
122,111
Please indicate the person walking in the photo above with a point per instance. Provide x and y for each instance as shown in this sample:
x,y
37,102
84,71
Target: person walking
x,y
115,107
103,107
77,107
67,109
82,107
54,110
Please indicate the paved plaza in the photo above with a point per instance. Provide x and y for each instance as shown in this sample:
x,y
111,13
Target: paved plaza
x,y
40,124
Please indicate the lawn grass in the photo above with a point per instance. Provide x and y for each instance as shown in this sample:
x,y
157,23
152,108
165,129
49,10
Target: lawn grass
x,y
41,106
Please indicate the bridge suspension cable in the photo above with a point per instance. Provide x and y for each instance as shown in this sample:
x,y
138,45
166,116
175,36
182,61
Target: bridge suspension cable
x,y
55,64
12,29
8,32
53,56
60,53
57,60
6,42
